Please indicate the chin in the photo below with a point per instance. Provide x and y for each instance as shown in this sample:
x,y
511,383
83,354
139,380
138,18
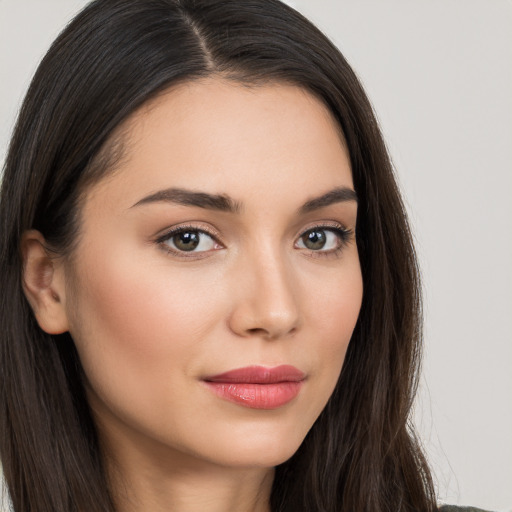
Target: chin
x,y
257,452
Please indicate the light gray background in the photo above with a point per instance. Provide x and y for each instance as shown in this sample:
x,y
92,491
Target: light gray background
x,y
439,73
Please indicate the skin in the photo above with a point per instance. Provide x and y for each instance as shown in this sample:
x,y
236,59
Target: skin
x,y
150,322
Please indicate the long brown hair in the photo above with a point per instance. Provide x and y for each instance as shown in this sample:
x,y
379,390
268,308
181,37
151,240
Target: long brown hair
x,y
361,454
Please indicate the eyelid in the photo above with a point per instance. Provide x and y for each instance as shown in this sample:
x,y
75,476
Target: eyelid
x,y
326,223
168,233
345,235
178,228
329,224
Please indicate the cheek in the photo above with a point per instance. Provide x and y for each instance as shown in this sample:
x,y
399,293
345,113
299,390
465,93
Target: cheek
x,y
335,307
137,325
331,314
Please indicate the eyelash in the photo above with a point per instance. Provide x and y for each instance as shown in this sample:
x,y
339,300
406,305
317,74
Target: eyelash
x,y
184,229
343,234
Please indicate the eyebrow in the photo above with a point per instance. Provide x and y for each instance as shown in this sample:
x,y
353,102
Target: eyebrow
x,y
224,203
219,202
336,195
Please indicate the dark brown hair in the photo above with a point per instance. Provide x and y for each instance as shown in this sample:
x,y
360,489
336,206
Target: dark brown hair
x,y
361,454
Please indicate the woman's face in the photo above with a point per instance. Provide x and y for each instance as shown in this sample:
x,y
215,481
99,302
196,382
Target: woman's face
x,y
223,241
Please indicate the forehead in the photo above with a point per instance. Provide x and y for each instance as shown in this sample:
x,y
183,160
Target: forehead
x,y
221,136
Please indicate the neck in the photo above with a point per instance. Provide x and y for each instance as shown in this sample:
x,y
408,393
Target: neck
x,y
196,491
148,476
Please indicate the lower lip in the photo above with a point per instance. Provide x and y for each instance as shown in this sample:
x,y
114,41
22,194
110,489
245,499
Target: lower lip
x,y
257,396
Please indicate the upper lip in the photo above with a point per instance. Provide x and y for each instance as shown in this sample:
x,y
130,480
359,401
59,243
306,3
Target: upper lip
x,y
259,375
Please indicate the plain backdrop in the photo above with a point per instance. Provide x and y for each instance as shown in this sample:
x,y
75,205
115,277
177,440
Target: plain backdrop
x,y
439,73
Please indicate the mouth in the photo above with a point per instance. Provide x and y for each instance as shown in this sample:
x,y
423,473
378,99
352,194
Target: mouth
x,y
258,387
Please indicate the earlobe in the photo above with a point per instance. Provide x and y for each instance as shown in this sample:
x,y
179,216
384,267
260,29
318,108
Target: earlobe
x,y
43,284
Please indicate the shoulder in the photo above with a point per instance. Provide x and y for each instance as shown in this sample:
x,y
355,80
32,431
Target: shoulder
x,y
454,508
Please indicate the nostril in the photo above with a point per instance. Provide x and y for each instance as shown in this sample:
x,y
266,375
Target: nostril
x,y
269,334
258,332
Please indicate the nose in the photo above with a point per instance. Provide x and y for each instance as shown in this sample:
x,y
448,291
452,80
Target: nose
x,y
266,299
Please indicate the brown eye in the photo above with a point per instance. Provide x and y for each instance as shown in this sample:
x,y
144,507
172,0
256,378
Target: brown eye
x,y
323,239
190,240
186,241
314,239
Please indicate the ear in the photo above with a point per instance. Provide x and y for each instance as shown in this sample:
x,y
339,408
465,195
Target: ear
x,y
44,284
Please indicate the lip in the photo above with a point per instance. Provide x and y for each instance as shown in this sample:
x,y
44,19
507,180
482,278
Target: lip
x,y
258,387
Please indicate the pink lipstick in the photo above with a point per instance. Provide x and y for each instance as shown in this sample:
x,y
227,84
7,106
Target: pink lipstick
x,y
258,387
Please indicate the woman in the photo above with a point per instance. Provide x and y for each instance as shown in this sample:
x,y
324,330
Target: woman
x,y
210,295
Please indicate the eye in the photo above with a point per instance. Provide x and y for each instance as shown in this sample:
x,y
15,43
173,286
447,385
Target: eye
x,y
323,239
186,240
